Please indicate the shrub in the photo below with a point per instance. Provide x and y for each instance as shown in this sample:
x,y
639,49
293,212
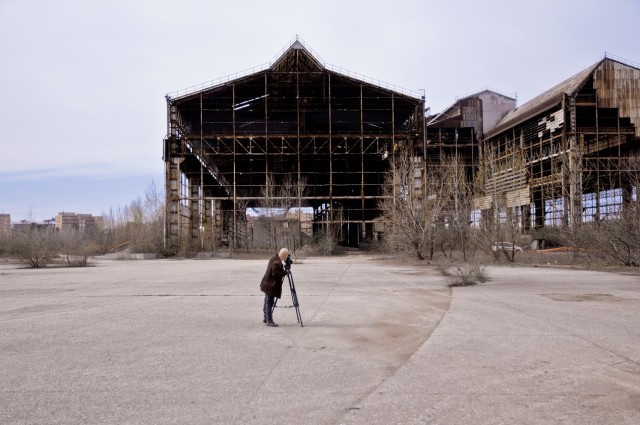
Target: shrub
x,y
323,243
36,247
467,275
180,247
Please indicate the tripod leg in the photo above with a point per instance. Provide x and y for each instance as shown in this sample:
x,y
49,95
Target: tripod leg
x,y
299,317
294,299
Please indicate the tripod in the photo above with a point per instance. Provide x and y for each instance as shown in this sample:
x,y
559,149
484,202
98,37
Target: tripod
x,y
294,298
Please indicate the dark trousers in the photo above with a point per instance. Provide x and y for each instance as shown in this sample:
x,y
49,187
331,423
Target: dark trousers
x,y
267,309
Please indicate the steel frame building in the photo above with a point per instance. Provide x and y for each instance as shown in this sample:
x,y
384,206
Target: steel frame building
x,y
332,132
561,159
459,128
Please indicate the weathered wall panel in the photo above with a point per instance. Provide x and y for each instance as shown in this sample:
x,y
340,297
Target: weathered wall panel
x,y
517,198
618,86
483,202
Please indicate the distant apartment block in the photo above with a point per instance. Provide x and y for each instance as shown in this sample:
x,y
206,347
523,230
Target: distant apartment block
x,y
5,223
80,222
66,221
26,225
49,223
86,222
7,226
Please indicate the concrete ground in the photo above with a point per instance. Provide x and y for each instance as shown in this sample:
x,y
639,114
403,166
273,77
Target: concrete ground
x,y
182,342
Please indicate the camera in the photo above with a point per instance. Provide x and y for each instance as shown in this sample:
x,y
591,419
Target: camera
x,y
288,262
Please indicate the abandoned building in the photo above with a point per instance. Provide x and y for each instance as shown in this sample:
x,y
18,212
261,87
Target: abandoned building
x,y
301,135
458,129
564,157
325,134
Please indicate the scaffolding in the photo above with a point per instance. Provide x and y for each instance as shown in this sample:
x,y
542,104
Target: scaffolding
x,y
563,159
328,135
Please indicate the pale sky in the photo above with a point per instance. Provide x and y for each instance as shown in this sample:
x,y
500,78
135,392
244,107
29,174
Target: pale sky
x,y
82,82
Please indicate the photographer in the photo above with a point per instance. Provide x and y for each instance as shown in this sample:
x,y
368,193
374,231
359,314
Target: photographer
x,y
271,283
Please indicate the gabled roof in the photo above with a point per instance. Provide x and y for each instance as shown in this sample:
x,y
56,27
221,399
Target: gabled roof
x,y
545,100
297,57
453,110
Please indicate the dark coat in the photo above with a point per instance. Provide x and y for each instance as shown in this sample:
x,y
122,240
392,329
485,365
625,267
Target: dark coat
x,y
271,283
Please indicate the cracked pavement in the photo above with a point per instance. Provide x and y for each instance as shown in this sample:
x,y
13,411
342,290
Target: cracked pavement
x,y
182,341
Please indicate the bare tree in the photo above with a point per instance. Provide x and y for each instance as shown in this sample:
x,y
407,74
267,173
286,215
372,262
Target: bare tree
x,y
243,233
138,225
75,247
501,221
35,247
426,210
279,205
6,242
102,235
458,193
149,218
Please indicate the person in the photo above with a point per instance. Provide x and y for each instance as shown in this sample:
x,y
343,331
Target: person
x,y
271,284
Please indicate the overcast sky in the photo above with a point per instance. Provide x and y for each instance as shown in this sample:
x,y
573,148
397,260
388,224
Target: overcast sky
x,y
82,83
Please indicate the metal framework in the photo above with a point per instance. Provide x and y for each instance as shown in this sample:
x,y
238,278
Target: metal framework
x,y
330,132
458,129
561,159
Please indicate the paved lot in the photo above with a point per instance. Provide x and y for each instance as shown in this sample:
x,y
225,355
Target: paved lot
x,y
182,342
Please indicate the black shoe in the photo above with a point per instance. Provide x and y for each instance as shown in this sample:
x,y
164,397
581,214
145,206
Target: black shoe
x,y
264,320
270,323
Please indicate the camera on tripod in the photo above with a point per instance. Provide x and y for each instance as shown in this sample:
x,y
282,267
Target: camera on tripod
x,y
288,262
292,287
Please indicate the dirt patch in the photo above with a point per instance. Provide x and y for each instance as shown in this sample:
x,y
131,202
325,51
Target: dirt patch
x,y
387,329
583,297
